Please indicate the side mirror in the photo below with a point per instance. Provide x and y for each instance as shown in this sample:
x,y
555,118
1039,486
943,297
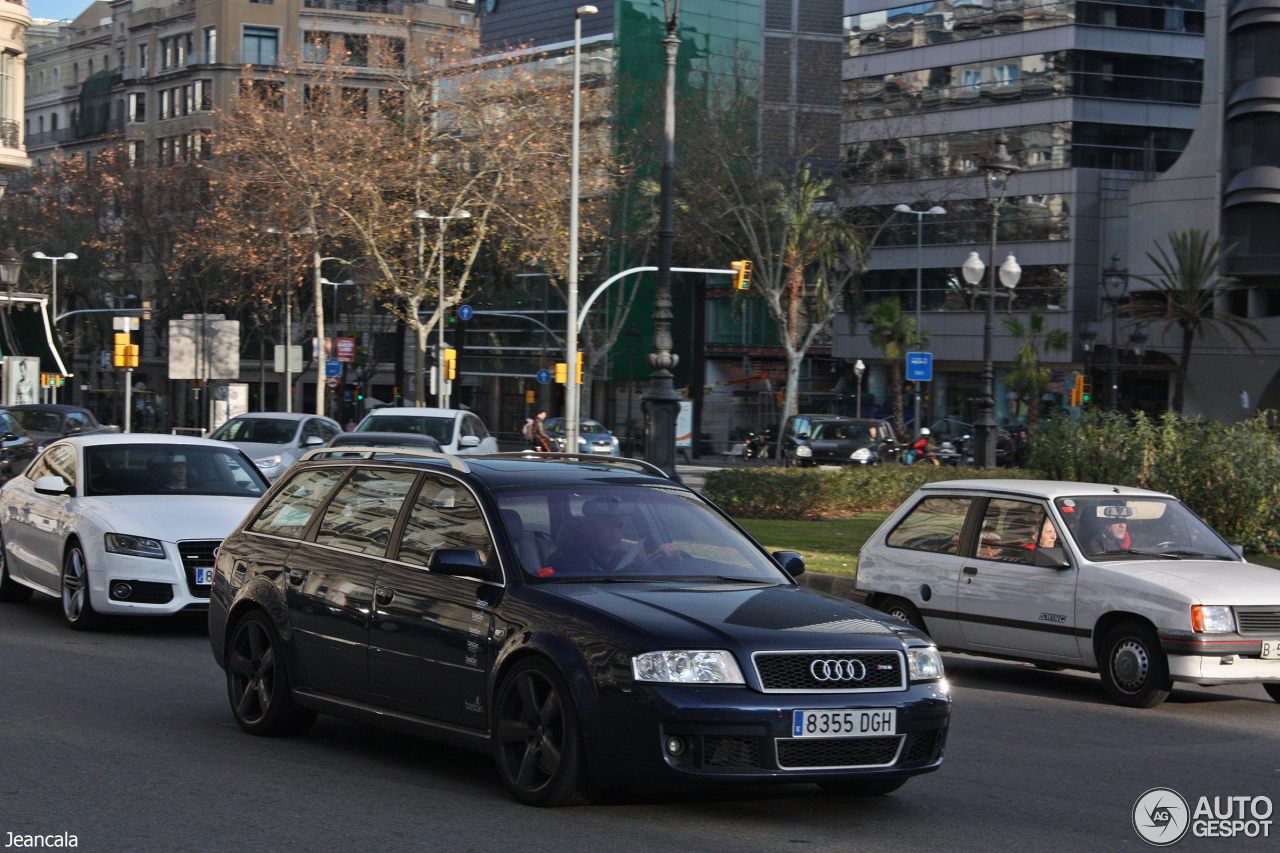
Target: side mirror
x,y
53,485
1050,558
1239,550
469,441
313,441
792,563
8,436
463,562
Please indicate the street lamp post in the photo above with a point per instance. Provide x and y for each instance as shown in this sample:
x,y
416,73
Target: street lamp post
x,y
936,210
288,318
335,285
661,403
998,169
571,399
418,393
1115,281
858,370
69,256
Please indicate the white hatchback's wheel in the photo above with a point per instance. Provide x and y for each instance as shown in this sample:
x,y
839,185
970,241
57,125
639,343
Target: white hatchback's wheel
x,y
903,611
77,607
1134,670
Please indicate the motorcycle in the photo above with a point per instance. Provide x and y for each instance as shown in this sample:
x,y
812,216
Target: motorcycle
x,y
755,447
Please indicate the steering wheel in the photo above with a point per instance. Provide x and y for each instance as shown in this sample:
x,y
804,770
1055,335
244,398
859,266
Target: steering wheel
x,y
658,556
1160,546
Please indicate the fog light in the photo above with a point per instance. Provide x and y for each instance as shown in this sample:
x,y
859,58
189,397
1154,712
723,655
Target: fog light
x,y
675,746
121,590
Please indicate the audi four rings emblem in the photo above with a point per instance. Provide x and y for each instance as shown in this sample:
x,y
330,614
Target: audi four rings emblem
x,y
838,669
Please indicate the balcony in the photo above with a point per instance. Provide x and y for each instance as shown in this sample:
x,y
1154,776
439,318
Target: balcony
x,y
376,7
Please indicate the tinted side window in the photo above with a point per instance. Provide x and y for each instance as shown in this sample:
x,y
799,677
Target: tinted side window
x,y
934,525
289,512
363,512
1011,531
75,422
444,515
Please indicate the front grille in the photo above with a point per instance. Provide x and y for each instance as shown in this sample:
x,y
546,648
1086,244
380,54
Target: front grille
x,y
1258,621
739,753
197,553
922,749
837,752
792,672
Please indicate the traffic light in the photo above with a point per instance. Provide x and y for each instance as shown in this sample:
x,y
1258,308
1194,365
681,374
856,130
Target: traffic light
x,y
1086,389
146,309
451,364
126,352
741,274
562,372
578,372
359,393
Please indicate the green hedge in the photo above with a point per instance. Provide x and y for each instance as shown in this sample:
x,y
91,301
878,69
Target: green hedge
x,y
1228,473
826,493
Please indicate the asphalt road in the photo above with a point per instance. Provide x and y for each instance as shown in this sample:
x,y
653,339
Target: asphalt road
x,y
124,739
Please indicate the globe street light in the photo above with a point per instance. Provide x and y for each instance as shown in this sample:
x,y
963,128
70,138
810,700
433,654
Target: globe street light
x,y
1115,281
422,216
69,256
858,370
571,399
936,210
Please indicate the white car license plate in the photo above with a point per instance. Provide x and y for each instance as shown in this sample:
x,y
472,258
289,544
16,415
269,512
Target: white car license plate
x,y
204,577
869,722
1271,649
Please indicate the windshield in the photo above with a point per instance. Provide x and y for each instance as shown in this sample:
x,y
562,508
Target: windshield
x,y
1114,528
555,426
257,430
838,431
37,421
170,469
441,429
627,533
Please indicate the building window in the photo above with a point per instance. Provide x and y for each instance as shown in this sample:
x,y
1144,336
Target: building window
x,y
210,44
204,95
260,46
316,48
142,59
137,107
166,104
137,152
357,49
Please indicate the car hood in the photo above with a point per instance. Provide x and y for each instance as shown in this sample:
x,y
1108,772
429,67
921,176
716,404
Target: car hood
x,y
256,450
715,615
168,517
1210,581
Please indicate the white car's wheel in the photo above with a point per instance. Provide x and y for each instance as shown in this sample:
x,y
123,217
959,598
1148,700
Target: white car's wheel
x,y
1134,670
10,589
903,611
77,608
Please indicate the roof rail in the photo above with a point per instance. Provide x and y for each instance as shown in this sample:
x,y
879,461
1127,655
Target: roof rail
x,y
361,452
554,456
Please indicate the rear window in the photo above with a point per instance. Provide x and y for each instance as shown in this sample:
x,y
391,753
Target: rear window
x,y
257,431
933,525
441,429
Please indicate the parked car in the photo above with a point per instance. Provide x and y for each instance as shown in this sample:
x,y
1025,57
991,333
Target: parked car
x,y
122,524
46,422
1127,582
588,624
836,440
457,430
388,440
593,437
16,447
275,440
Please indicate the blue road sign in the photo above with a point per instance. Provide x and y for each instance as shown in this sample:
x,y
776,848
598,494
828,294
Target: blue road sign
x,y
543,376
465,312
333,367
919,367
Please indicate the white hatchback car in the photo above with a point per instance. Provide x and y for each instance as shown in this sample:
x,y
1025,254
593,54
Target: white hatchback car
x,y
1127,582
122,524
457,430
275,440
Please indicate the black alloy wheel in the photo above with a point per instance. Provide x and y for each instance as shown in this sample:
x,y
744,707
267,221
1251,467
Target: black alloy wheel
x,y
1134,669
862,787
903,611
258,681
539,749
77,606
10,589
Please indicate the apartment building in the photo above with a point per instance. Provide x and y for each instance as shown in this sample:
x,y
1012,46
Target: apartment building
x,y
14,22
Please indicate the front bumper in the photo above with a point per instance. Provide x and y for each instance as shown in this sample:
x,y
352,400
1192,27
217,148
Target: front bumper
x,y
156,586
737,733
1218,658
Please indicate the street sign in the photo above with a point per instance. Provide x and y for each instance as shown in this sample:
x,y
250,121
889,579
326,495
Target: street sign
x,y
332,382
919,367
465,312
543,376
332,367
347,350
295,358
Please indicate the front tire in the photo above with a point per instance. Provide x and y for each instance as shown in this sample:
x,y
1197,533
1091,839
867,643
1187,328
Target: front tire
x,y
10,589
1273,690
77,604
539,748
258,681
1134,669
861,787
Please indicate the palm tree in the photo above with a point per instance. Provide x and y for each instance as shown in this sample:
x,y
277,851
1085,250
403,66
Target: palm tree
x,y
1029,377
894,333
1189,282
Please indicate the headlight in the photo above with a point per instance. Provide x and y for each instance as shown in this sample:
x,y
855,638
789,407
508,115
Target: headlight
x,y
924,663
804,450
1212,620
134,546
269,461
697,667
613,439
862,454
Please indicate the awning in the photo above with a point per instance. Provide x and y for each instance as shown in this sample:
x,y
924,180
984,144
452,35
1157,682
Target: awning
x,y
25,330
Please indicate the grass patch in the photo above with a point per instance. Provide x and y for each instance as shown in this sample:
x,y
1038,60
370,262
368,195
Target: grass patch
x,y
830,547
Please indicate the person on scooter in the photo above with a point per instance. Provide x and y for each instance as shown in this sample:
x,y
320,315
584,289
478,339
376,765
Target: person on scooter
x,y
920,447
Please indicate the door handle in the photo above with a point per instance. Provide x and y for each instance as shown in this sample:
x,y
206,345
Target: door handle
x,y
970,570
297,577
383,596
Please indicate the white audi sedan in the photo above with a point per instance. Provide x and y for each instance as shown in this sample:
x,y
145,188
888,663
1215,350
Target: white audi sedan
x,y
122,524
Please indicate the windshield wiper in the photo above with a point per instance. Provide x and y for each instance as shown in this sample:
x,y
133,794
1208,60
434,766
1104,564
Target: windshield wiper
x,y
720,578
1178,554
600,579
